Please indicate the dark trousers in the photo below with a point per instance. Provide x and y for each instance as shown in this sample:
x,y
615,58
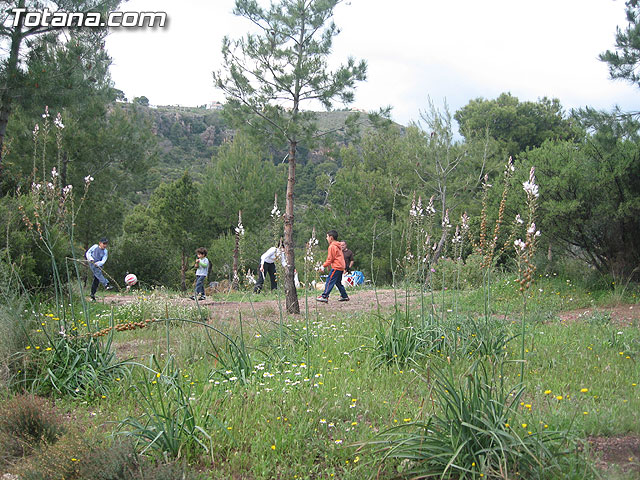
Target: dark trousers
x,y
334,279
269,268
200,284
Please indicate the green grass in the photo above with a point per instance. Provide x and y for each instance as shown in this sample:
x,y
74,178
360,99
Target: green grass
x,y
310,394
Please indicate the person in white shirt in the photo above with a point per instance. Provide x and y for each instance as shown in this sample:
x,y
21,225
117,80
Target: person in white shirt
x,y
268,264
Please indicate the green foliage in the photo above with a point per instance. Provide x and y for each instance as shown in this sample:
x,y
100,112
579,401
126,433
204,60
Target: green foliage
x,y
472,435
26,422
589,194
14,324
177,207
83,367
451,273
171,423
240,179
397,342
515,126
141,250
623,61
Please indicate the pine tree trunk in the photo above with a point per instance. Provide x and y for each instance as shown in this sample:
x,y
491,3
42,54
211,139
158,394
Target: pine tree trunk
x,y
291,293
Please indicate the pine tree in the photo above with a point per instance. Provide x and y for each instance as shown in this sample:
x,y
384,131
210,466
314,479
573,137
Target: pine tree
x,y
268,75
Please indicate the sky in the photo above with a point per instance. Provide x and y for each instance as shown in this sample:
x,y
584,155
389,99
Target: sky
x,y
449,51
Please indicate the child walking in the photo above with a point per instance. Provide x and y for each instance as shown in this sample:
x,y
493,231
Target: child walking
x,y
335,259
202,265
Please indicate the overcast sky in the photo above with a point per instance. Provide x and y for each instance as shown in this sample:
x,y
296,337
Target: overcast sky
x,y
453,50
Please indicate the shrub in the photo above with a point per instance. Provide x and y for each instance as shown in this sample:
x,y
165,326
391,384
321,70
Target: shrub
x,y
474,434
75,366
79,457
27,421
13,330
396,342
465,274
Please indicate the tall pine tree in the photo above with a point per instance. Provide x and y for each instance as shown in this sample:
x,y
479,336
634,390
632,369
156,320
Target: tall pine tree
x,y
267,76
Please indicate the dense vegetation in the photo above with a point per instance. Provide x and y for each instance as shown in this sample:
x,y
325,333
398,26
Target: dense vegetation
x,y
486,232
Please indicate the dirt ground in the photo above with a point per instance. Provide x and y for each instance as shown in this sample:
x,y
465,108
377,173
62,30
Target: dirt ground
x,y
621,452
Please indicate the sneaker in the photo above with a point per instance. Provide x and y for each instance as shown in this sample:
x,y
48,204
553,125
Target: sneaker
x,y
93,298
343,299
322,299
202,298
108,287
192,297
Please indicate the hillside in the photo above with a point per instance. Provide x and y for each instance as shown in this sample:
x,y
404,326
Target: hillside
x,y
187,137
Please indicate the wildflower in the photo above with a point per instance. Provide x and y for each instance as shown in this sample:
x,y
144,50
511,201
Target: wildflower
x,y
88,179
54,172
547,392
465,222
524,425
58,121
519,219
519,244
36,129
559,397
46,112
273,447
430,208
338,442
584,390
530,186
67,190
445,220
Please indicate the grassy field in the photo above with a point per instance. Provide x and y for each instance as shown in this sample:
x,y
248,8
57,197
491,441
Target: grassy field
x,y
334,393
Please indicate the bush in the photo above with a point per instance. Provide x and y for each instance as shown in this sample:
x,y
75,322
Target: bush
x,y
465,274
13,330
77,457
475,434
27,421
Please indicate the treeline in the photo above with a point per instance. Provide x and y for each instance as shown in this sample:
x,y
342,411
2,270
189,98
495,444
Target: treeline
x,y
586,165
159,182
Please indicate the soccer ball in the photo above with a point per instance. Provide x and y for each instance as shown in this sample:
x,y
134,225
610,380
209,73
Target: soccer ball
x,y
130,280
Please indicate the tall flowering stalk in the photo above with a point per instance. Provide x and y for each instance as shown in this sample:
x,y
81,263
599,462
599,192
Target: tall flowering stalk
x,y
525,249
237,251
48,209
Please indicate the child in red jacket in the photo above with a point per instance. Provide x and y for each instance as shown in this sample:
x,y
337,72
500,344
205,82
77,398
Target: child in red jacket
x,y
335,260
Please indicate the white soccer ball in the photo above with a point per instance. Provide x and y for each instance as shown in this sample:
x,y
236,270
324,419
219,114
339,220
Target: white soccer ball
x,y
130,279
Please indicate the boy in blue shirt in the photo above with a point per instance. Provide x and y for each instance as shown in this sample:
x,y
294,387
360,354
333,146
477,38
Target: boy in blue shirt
x,y
97,256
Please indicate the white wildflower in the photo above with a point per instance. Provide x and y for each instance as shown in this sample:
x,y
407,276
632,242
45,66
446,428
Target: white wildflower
x,y
530,186
430,208
58,121
46,112
465,222
519,219
519,244
54,172
88,179
445,220
67,190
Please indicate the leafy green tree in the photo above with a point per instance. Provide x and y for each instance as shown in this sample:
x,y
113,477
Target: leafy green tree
x,y
140,250
625,59
269,75
589,193
177,206
239,179
515,125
